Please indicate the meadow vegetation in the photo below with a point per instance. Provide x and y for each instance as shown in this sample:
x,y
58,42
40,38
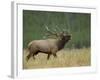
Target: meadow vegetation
x,y
66,58
77,51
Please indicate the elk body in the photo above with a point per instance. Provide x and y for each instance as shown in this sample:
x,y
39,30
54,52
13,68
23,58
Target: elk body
x,y
48,46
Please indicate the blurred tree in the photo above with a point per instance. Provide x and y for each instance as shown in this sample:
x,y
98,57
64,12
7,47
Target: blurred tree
x,y
78,24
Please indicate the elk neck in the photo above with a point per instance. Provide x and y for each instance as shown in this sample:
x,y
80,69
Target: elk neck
x,y
61,44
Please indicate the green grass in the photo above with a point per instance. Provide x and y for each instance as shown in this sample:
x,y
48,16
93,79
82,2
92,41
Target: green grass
x,y
65,58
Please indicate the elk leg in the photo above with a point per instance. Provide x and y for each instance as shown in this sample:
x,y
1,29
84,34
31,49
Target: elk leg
x,y
48,56
28,57
55,55
34,55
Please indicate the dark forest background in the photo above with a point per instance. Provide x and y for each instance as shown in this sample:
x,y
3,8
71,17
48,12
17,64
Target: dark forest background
x,y
78,24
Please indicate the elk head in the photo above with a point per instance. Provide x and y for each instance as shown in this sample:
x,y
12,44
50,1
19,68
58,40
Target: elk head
x,y
62,35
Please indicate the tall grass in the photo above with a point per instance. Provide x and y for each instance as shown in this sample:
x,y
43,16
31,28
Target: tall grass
x,y
66,58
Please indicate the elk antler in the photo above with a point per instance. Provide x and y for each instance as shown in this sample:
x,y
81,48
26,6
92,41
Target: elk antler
x,y
50,32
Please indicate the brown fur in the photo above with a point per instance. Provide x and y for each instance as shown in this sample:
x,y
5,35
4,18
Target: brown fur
x,y
47,46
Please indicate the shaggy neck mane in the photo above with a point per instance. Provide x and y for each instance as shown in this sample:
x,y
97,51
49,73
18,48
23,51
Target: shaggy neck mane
x,y
61,44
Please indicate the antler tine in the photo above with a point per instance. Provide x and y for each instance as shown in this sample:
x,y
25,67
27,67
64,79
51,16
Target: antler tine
x,y
50,32
64,30
57,28
47,28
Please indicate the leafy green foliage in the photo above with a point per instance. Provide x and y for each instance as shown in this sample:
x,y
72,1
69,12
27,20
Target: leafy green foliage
x,y
78,24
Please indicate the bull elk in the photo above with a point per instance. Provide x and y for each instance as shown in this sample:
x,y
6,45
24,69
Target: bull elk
x,y
48,46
